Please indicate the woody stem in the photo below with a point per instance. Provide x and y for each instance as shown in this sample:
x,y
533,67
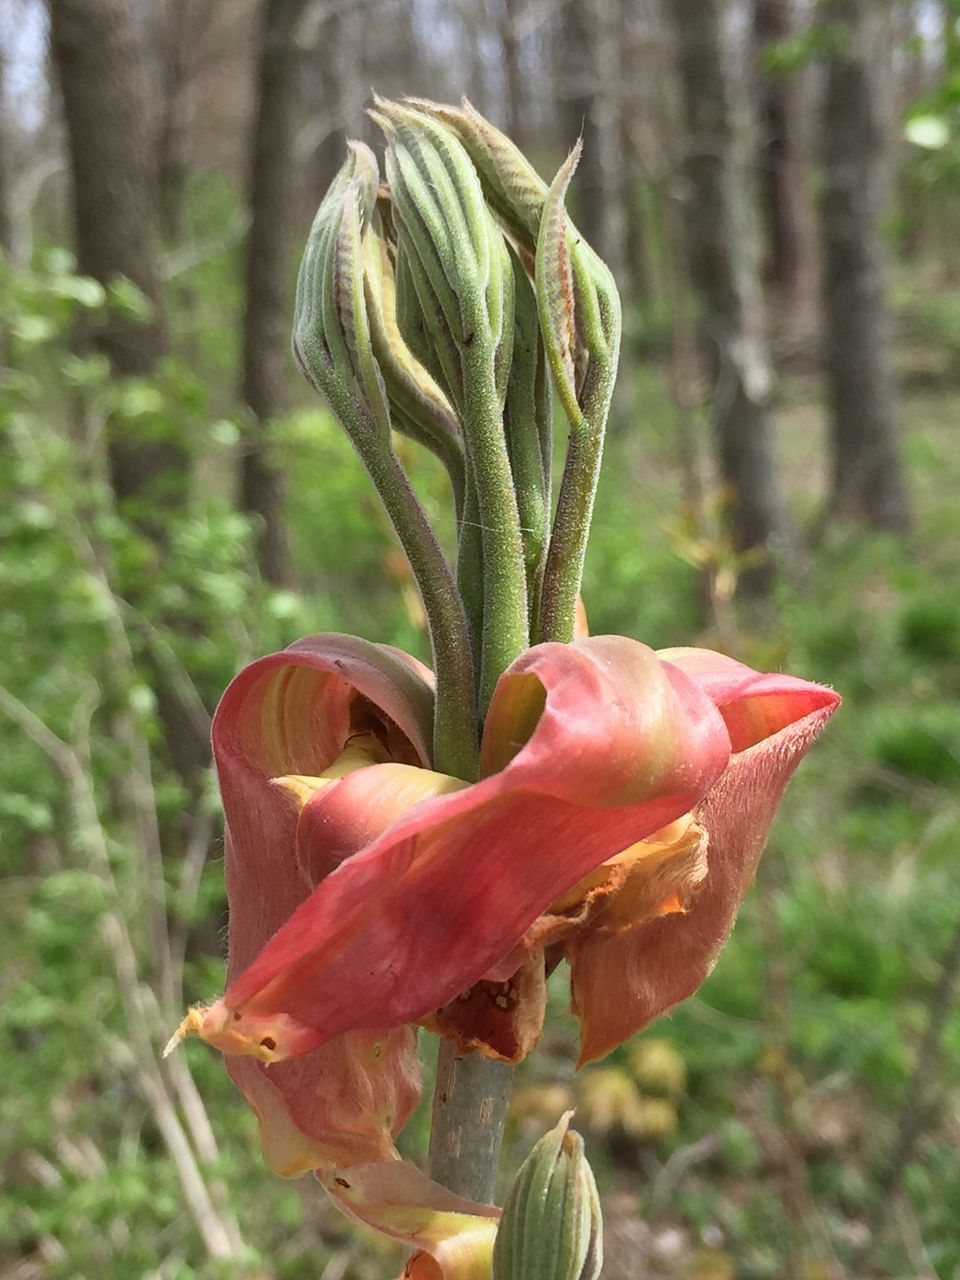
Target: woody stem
x,y
470,1102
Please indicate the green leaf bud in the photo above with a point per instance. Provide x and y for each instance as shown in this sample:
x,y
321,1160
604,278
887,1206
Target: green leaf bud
x,y
331,332
513,188
551,1228
419,408
555,299
453,260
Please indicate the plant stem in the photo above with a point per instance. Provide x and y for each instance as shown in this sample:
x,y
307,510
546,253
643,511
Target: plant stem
x,y
470,1104
454,726
568,542
505,625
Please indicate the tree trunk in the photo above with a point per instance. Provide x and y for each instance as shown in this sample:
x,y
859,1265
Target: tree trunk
x,y
789,223
114,207
6,223
174,36
514,117
867,476
341,91
272,189
472,37
113,193
721,240
636,114
590,92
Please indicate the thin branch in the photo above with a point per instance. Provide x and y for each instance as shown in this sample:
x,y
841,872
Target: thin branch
x,y
928,1056
179,261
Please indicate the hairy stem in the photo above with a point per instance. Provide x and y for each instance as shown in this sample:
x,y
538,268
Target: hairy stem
x,y
454,725
568,542
505,626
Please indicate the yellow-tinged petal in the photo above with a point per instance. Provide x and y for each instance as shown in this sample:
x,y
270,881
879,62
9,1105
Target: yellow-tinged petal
x,y
649,878
271,1038
398,1199
362,750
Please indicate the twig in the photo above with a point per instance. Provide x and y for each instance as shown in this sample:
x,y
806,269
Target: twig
x,y
182,260
914,1105
191,871
167,660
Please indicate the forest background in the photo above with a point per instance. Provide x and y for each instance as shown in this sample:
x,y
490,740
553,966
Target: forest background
x,y
776,184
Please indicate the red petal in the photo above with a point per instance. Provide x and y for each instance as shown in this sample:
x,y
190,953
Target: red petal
x,y
622,982
291,713
753,705
341,1104
624,745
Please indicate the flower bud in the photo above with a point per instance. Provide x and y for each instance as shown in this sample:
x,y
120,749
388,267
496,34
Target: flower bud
x,y
551,1228
458,317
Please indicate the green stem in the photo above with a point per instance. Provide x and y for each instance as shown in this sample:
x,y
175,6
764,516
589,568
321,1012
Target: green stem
x,y
455,749
470,1104
571,529
455,746
470,561
505,626
563,575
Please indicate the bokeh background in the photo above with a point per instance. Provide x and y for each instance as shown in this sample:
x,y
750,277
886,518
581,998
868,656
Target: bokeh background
x,y
776,184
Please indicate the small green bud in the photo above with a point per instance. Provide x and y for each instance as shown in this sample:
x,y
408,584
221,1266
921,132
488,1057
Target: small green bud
x,y
555,298
514,189
331,329
453,278
579,307
439,206
551,1228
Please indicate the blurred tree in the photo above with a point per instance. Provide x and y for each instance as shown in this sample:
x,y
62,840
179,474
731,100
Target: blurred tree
x,y
723,266
867,475
175,38
183,26
472,21
96,57
508,31
6,227
272,191
639,33
589,86
113,196
789,223
338,91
